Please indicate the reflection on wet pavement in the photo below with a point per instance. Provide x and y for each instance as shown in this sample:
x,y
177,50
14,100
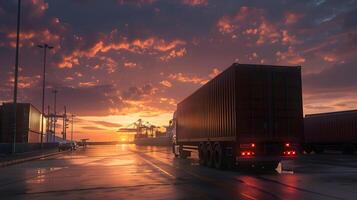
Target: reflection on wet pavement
x,y
144,172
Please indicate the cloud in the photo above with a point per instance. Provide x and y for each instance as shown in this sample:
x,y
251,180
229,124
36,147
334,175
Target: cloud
x,y
150,45
107,124
129,64
166,83
214,73
253,24
88,83
341,76
174,54
195,2
88,100
139,93
290,57
95,128
225,25
292,17
180,77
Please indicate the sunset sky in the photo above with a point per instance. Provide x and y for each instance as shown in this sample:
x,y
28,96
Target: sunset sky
x,y
116,61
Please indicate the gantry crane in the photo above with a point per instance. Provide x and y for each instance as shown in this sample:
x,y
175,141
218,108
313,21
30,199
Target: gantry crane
x,y
140,128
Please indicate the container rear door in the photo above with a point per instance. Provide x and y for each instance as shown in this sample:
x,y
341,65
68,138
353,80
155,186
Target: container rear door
x,y
268,104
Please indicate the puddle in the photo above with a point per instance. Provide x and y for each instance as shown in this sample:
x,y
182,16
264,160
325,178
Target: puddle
x,y
41,174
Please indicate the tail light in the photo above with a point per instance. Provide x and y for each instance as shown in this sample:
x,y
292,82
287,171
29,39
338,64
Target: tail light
x,y
247,153
247,145
288,150
247,149
289,153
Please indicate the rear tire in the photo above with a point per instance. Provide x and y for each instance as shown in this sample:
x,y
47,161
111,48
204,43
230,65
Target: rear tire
x,y
218,156
182,153
201,154
209,155
308,149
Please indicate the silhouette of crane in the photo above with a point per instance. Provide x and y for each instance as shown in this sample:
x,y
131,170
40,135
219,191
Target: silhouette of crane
x,y
140,128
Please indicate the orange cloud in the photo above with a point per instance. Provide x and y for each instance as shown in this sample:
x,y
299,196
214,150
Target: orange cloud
x,y
268,32
23,35
174,54
292,18
25,81
180,77
162,45
252,21
225,25
166,83
330,57
88,84
287,38
290,57
129,64
30,38
136,46
214,73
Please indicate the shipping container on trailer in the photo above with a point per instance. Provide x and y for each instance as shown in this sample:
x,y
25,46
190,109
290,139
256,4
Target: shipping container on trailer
x,y
248,114
331,131
28,123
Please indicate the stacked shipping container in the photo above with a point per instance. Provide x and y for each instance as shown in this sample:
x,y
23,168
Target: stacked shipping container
x,y
28,123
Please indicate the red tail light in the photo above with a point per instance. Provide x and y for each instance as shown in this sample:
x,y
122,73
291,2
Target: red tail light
x,y
247,145
288,150
289,153
247,153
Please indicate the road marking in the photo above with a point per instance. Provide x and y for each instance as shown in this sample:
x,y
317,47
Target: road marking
x,y
95,188
157,167
248,196
202,178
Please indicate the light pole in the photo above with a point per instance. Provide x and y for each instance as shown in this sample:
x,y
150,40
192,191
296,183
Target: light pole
x,y
55,114
72,127
44,47
16,72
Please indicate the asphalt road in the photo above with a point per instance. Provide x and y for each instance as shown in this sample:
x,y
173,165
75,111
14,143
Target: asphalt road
x,y
131,172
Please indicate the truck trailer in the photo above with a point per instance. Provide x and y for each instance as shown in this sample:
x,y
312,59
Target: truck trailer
x,y
247,115
331,131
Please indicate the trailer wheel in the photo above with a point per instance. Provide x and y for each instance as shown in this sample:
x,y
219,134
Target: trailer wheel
x,y
209,155
307,149
218,156
201,153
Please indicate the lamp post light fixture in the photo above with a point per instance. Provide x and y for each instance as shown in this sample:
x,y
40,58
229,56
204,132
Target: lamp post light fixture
x,y
44,47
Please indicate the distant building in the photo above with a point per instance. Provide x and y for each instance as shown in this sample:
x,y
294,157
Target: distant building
x,y
28,123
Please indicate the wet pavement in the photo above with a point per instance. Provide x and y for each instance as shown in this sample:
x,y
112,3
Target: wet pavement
x,y
132,172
